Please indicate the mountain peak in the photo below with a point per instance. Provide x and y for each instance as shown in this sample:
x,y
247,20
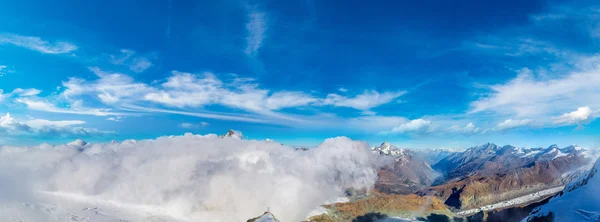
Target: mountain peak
x,y
233,134
388,149
78,142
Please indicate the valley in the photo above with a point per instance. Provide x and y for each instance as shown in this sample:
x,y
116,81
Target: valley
x,y
482,183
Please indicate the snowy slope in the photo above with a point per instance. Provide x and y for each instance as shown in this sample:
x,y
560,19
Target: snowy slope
x,y
580,200
60,207
267,217
387,149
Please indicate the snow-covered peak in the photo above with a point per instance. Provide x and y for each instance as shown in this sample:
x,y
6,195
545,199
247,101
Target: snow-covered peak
x,y
78,142
485,147
233,134
388,149
571,149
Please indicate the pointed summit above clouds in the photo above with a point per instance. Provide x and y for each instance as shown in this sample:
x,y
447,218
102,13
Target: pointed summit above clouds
x,y
232,134
78,142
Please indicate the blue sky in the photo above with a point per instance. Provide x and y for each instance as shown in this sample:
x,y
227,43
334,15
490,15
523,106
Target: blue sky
x,y
417,74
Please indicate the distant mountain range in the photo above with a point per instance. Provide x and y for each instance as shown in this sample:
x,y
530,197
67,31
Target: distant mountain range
x,y
409,173
474,183
490,159
480,175
490,173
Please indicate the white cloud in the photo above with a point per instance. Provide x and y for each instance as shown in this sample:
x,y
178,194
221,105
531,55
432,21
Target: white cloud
x,y
7,123
256,28
45,128
140,64
111,86
37,44
189,90
516,47
210,115
580,116
192,94
3,70
134,62
416,126
39,123
210,179
364,101
2,95
26,92
512,124
19,92
530,97
41,105
115,118
279,100
468,129
343,89
193,125
186,90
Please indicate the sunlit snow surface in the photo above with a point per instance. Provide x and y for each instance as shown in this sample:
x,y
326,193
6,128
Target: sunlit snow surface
x,y
579,202
178,178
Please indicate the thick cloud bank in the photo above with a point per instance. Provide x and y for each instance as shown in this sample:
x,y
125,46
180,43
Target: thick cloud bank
x,y
193,177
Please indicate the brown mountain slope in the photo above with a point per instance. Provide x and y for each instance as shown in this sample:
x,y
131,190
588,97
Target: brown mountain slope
x,y
480,189
408,173
389,204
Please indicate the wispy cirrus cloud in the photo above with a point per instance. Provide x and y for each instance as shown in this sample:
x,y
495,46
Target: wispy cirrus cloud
x,y
20,93
135,62
530,96
364,101
43,105
191,91
256,28
193,125
512,124
3,70
46,128
468,129
38,44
